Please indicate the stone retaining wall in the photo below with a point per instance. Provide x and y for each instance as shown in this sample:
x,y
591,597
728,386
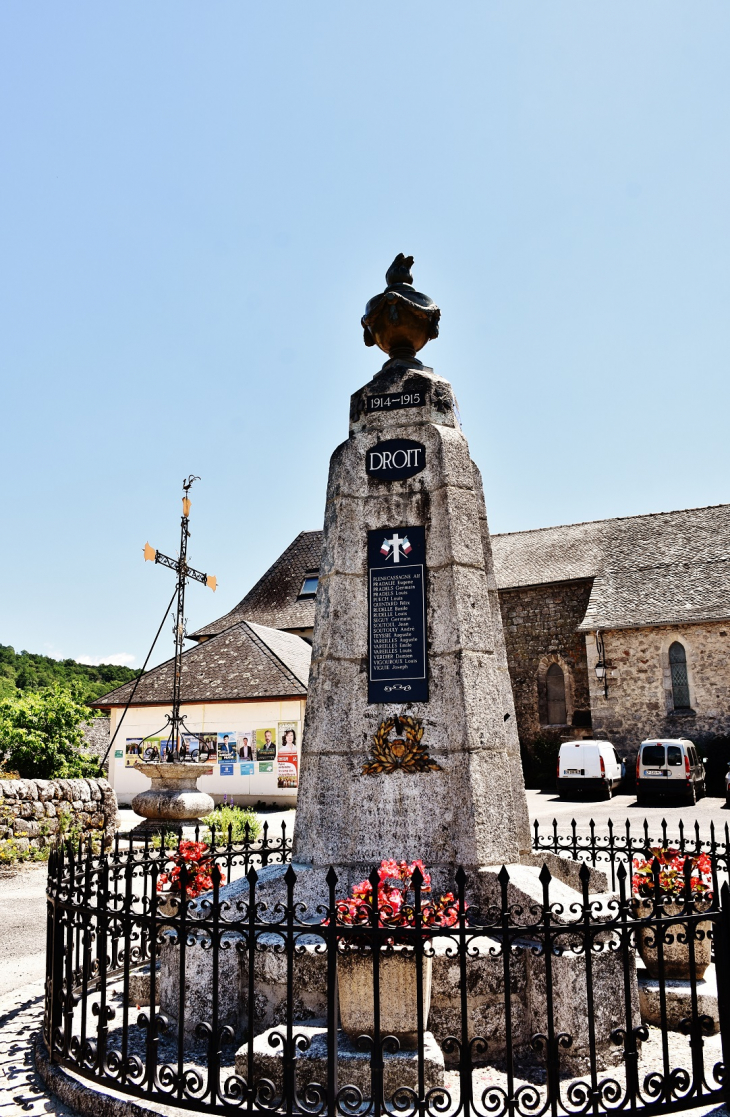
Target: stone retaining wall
x,y
33,812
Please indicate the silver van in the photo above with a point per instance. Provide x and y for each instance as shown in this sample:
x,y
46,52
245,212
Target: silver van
x,y
669,768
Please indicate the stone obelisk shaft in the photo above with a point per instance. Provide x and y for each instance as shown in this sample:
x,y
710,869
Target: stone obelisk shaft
x,y
473,811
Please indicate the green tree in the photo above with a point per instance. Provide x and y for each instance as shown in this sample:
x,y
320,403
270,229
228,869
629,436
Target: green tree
x,y
41,737
28,671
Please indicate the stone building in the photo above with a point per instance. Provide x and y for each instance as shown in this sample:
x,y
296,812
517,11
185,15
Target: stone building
x,y
620,626
641,601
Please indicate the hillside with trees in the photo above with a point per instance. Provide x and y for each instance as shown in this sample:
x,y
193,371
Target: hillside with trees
x,y
24,672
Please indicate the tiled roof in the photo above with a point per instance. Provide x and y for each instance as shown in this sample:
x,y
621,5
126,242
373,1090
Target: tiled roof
x,y
670,593
550,554
290,649
245,661
662,568
274,600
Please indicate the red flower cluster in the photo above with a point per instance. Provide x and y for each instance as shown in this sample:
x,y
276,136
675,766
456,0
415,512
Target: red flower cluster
x,y
671,874
195,856
395,880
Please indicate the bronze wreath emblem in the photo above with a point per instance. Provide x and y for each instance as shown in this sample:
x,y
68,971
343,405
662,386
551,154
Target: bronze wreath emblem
x,y
405,753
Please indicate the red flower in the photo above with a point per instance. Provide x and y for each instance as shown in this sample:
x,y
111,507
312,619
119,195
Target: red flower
x,y
671,876
395,882
195,856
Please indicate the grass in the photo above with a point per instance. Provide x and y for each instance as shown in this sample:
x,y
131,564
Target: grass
x,y
225,815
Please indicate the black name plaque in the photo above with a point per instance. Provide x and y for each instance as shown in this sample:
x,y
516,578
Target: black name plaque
x,y
397,659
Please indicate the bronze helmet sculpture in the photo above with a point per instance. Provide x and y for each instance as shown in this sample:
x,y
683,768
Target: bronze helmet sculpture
x,y
401,320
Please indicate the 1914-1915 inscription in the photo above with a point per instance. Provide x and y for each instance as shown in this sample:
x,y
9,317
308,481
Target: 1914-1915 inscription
x,y
395,400
397,668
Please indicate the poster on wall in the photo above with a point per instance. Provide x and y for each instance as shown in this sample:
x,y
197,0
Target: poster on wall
x,y
246,744
207,746
247,767
266,744
288,769
154,749
190,746
132,749
288,736
264,767
287,766
225,769
227,747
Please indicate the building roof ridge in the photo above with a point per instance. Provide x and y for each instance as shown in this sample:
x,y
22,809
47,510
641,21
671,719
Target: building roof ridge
x,y
250,625
608,520
204,649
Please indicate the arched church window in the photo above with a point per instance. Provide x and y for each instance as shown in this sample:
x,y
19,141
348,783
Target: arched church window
x,y
555,684
680,681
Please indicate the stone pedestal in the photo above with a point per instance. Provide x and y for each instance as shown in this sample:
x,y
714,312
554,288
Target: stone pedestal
x,y
173,801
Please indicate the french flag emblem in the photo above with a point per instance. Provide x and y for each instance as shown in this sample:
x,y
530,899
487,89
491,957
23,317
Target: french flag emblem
x,y
396,547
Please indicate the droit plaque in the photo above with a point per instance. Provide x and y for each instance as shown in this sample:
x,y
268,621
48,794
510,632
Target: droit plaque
x,y
397,661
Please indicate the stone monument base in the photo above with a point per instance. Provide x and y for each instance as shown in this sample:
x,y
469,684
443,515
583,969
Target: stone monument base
x,y
486,996
353,1064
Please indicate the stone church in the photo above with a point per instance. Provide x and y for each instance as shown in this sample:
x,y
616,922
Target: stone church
x,y
614,628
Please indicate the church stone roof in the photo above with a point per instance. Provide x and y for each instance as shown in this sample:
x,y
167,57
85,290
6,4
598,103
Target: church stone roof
x,y
662,568
274,600
246,661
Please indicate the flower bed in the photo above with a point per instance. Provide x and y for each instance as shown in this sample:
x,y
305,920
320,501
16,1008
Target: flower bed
x,y
192,868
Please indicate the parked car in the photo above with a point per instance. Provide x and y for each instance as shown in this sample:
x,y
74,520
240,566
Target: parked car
x,y
588,766
669,768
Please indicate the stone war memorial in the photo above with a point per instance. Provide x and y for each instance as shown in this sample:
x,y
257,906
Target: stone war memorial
x,y
412,949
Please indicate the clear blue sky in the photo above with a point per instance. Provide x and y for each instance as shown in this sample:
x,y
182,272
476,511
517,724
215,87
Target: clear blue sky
x,y
197,199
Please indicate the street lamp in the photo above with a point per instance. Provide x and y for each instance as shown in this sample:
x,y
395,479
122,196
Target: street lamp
x,y
601,673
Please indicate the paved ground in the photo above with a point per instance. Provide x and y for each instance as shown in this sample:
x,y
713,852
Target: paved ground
x,y
21,1091
22,927
546,806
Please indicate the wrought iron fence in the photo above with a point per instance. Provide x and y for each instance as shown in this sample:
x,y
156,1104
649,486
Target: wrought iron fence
x,y
619,845
260,996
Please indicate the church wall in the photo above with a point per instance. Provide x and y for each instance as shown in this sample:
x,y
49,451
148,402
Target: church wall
x,y
639,704
540,628
210,717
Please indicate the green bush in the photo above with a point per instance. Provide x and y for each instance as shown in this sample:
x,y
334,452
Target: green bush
x,y
225,815
41,736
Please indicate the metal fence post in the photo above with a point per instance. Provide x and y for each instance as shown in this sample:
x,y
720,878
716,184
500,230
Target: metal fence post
x,y
722,964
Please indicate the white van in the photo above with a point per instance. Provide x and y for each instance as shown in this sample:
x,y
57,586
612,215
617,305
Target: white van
x,y
588,766
670,767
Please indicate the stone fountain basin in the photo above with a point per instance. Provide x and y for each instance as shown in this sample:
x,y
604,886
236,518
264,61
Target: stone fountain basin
x,y
174,797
